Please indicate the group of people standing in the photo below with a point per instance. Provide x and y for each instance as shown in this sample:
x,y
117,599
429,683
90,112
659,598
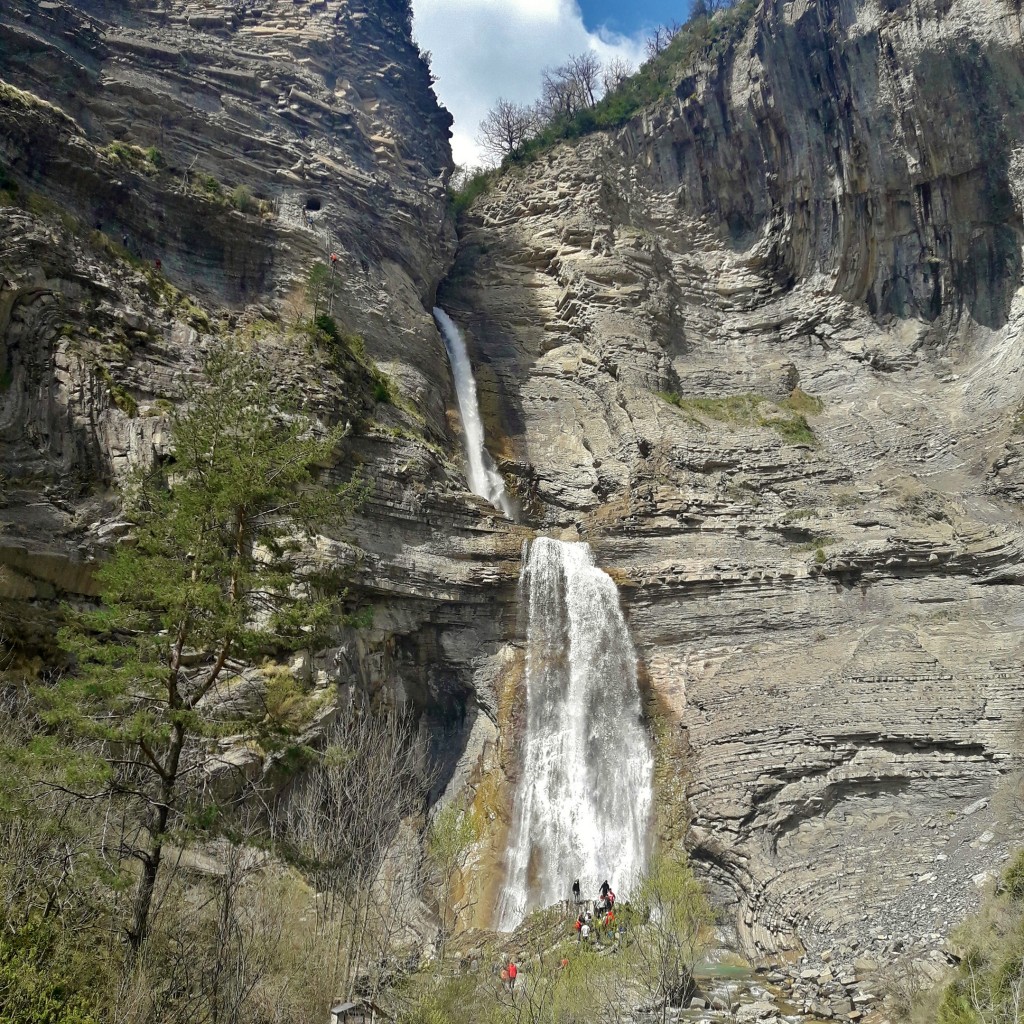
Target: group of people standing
x,y
601,919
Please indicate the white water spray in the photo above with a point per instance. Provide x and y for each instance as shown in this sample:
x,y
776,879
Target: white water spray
x,y
583,803
481,473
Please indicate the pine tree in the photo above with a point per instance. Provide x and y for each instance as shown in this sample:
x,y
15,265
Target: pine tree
x,y
209,580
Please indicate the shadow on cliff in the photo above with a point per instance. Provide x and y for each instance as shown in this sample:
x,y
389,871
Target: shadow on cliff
x,y
856,156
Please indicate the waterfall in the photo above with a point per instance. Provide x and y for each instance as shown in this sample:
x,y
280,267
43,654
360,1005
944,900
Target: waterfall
x,y
481,473
584,799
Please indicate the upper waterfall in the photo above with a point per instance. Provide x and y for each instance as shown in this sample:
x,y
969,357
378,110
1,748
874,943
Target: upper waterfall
x,y
583,802
482,475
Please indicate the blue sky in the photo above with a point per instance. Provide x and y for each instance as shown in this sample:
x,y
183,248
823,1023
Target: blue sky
x,y
483,50
627,17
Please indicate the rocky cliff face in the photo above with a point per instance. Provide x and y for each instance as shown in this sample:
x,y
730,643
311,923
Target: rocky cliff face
x,y
171,171
762,347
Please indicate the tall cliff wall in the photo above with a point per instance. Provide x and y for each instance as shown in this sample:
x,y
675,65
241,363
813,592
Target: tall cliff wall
x,y
762,347
126,131
824,222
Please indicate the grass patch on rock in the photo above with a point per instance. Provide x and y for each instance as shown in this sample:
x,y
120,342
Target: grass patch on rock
x,y
347,356
989,982
463,195
801,402
13,96
119,394
753,411
793,431
129,155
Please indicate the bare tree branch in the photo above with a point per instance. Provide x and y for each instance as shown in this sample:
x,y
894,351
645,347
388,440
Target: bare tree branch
x,y
506,127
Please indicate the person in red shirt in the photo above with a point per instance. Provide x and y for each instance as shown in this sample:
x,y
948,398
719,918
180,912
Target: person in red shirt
x,y
513,971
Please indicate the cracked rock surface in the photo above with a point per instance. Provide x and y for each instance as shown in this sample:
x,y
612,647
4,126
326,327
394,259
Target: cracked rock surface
x,y
127,130
762,347
825,223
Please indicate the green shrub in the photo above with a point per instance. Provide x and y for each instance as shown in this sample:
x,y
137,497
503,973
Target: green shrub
x,y
40,981
242,200
124,401
209,184
324,331
122,152
147,161
119,395
987,983
328,326
1013,879
475,185
453,999
793,431
356,344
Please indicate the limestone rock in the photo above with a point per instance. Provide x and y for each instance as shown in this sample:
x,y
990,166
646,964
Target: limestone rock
x,y
820,223
760,346
238,149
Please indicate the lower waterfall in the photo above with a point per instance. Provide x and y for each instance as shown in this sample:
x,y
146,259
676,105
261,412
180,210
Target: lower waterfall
x,y
583,802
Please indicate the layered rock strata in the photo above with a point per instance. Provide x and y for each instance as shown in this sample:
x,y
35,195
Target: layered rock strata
x,y
170,172
762,348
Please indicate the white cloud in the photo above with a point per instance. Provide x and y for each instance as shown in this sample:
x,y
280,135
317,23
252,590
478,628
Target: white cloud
x,y
483,49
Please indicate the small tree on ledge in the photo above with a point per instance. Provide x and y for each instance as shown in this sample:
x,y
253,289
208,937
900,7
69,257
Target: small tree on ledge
x,y
450,838
209,581
673,933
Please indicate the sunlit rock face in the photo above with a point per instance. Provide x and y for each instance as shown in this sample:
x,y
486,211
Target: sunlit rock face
x,y
830,212
132,129
825,222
